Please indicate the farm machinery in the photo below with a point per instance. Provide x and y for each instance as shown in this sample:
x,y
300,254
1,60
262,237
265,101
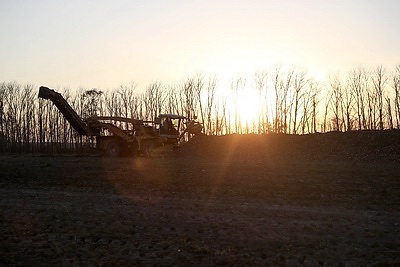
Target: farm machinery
x,y
137,135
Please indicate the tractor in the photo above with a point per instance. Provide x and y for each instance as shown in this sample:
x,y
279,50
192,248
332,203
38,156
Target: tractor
x,y
137,135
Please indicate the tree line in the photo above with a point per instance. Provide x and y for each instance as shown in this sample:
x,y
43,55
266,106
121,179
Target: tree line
x,y
289,101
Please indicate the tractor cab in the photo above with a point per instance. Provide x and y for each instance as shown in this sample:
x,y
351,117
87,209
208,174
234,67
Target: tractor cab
x,y
170,125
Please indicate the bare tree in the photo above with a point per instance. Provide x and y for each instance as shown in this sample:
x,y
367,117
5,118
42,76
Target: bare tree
x,y
336,102
314,92
379,80
371,111
261,79
298,84
348,101
189,98
237,85
327,103
198,88
396,87
285,101
173,102
153,99
389,113
278,84
358,82
3,140
210,103
129,105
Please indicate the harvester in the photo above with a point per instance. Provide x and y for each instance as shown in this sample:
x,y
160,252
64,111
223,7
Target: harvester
x,y
137,135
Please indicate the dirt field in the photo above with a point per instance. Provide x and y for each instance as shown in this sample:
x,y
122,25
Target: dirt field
x,y
212,203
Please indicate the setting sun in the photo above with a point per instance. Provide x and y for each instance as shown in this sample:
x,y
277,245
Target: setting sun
x,y
249,106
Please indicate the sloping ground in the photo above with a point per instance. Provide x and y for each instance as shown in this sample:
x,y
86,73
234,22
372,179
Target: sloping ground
x,y
347,145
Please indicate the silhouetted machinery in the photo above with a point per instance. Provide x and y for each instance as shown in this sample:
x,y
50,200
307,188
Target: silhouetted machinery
x,y
139,135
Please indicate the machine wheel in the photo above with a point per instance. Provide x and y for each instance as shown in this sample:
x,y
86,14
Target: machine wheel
x,y
113,149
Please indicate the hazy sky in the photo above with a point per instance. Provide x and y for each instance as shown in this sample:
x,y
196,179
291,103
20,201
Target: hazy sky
x,y
103,44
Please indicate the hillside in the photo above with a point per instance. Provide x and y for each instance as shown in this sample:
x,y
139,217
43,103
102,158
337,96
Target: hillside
x,y
347,145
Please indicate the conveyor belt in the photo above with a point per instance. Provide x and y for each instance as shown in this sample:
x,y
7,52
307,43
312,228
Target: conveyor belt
x,y
69,113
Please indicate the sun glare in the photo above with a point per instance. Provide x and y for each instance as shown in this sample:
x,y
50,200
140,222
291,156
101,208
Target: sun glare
x,y
248,106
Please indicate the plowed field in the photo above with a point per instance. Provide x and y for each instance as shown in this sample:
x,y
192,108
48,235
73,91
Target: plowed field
x,y
330,199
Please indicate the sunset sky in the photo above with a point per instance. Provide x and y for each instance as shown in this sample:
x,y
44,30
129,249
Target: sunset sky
x,y
103,44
